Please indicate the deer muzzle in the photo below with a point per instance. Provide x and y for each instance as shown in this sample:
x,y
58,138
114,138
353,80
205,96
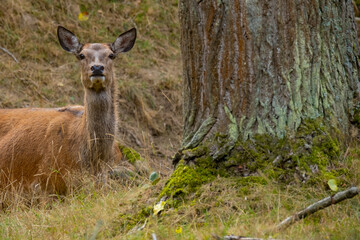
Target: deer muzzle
x,y
97,82
97,79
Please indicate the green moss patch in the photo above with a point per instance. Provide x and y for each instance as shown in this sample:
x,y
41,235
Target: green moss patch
x,y
311,156
187,179
127,222
308,154
131,155
356,115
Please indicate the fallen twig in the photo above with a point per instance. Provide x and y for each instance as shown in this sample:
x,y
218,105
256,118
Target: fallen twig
x,y
338,197
96,231
154,236
233,237
137,228
9,53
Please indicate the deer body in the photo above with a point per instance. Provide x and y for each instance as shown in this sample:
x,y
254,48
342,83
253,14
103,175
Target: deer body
x,y
41,146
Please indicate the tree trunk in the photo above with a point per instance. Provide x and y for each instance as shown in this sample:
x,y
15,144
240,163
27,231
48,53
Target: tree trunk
x,y
265,84
263,67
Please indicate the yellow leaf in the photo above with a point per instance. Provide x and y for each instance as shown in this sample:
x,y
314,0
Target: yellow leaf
x,y
178,229
332,184
83,16
159,207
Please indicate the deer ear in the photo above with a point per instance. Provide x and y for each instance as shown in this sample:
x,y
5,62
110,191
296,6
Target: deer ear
x,y
68,40
124,42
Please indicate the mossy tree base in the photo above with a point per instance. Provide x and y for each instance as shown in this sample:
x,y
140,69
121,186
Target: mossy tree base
x,y
308,157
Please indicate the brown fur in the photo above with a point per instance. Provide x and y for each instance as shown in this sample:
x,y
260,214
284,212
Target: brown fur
x,y
40,147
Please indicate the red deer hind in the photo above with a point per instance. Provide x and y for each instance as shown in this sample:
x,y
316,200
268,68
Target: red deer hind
x,y
39,146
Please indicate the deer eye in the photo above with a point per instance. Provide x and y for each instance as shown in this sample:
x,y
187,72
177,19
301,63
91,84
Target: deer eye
x,y
112,56
81,56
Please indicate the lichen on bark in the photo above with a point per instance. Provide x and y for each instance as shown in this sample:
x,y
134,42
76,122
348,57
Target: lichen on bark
x,y
271,64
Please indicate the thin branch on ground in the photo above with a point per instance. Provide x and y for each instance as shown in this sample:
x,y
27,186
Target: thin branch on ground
x,y
233,237
9,53
326,202
338,197
154,236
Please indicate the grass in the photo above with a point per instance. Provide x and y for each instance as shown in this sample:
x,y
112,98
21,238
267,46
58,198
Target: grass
x,y
220,209
149,80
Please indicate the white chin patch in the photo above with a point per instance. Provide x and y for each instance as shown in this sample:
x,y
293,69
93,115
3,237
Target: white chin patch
x,y
97,79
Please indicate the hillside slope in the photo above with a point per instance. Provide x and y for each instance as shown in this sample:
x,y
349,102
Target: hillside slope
x,y
149,77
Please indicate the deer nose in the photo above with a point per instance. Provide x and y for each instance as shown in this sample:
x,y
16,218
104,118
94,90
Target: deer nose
x,y
97,69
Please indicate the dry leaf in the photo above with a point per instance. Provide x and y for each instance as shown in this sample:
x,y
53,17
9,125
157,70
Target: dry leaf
x,y
83,16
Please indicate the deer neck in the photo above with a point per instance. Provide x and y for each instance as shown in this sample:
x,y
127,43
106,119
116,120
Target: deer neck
x,y
100,125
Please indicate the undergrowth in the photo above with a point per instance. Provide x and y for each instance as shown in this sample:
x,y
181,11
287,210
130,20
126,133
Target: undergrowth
x,y
224,206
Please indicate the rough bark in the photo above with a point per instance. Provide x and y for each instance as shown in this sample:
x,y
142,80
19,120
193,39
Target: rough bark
x,y
262,67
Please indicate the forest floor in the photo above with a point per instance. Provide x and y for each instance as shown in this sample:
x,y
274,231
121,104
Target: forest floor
x,y
150,114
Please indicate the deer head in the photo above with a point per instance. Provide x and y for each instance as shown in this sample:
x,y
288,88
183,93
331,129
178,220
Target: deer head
x,y
96,58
